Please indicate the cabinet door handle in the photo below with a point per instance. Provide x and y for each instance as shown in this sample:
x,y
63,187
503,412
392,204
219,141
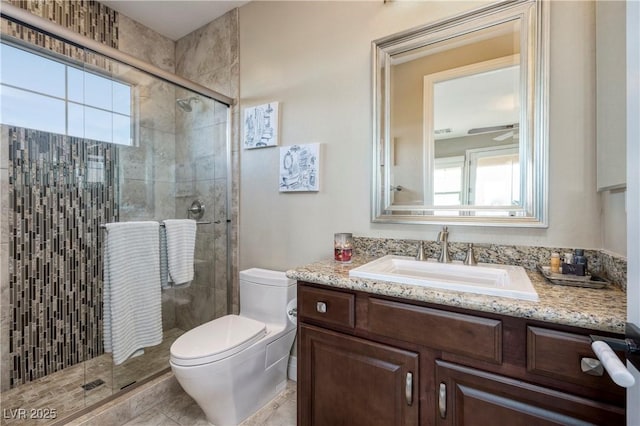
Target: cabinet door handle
x,y
442,400
321,307
591,366
408,388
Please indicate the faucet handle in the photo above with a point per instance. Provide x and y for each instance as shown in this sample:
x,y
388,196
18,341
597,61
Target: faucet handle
x,y
420,255
443,235
470,259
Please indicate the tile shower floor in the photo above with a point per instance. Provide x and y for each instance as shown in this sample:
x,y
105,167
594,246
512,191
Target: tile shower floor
x,y
63,389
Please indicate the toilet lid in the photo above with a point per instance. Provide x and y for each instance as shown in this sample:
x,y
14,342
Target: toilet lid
x,y
216,340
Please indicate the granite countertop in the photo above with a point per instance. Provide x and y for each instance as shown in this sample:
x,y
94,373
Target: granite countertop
x,y
598,309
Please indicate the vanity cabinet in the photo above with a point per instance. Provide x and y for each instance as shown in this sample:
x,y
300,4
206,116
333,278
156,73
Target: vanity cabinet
x,y
352,380
365,359
356,381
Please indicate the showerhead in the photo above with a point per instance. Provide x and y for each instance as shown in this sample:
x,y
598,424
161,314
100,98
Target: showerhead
x,y
185,104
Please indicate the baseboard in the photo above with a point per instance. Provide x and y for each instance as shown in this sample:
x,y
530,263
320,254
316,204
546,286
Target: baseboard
x,y
292,370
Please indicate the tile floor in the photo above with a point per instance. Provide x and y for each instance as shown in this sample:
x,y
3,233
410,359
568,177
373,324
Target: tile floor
x,y
63,390
183,411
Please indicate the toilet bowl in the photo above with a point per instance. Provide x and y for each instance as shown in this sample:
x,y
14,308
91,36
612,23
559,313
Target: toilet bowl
x,y
232,366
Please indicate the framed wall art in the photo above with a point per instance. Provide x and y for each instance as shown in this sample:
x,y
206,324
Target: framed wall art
x,y
261,126
300,168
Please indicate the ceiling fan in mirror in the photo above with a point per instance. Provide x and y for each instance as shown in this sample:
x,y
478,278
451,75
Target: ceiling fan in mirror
x,y
511,131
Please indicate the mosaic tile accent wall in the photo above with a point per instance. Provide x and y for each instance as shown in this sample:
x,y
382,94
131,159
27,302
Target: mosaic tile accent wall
x,y
61,189
54,282
89,18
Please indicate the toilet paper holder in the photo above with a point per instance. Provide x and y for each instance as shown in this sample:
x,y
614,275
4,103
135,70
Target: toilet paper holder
x,y
628,345
603,347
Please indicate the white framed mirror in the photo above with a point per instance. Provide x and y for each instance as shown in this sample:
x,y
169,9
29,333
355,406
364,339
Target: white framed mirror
x,y
460,119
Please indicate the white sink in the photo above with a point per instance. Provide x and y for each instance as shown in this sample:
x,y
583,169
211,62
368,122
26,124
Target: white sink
x,y
495,280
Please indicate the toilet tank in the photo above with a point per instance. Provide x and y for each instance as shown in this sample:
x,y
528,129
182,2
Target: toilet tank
x,y
264,295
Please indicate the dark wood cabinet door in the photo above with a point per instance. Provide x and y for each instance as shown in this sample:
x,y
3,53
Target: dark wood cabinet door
x,y
345,380
473,397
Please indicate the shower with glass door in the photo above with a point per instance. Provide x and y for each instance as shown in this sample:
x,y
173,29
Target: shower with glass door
x,y
87,140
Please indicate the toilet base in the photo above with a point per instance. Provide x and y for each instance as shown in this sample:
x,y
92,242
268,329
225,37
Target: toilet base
x,y
238,386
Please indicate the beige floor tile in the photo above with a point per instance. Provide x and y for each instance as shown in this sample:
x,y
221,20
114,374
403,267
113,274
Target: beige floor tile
x,y
281,411
152,417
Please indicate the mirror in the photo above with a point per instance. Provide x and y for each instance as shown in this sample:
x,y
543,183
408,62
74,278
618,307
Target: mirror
x,y
460,110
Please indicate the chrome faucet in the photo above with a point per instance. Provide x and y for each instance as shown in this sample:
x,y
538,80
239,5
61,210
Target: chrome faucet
x,y
420,255
470,259
443,237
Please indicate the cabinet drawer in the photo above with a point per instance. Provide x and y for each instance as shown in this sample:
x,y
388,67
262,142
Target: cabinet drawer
x,y
558,354
468,335
326,306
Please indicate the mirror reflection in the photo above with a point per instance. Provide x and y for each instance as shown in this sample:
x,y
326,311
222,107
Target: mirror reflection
x,y
459,127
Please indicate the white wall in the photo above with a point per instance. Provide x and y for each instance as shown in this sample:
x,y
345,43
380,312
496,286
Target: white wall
x,y
614,222
315,58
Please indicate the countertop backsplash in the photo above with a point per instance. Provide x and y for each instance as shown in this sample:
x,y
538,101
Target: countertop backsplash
x,y
600,262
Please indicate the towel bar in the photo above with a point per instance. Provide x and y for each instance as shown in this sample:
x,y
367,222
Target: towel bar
x,y
103,226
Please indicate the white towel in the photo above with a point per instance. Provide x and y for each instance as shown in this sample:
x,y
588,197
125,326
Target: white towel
x,y
181,245
132,297
165,281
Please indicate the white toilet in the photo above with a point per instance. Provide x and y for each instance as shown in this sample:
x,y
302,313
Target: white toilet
x,y
232,366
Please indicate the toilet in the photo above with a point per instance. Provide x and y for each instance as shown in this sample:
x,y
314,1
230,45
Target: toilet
x,y
234,365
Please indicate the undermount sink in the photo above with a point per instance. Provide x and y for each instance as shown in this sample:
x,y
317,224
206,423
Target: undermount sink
x,y
495,280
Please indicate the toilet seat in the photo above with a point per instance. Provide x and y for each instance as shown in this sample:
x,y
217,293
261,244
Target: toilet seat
x,y
216,340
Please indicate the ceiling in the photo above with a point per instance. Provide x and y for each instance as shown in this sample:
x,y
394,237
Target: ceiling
x,y
476,101
173,18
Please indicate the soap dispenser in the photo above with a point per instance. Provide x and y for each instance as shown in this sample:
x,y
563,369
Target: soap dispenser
x,y
580,259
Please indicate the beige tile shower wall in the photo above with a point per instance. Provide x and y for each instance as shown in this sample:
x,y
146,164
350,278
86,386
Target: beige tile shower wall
x,y
197,169
148,169
208,56
145,44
